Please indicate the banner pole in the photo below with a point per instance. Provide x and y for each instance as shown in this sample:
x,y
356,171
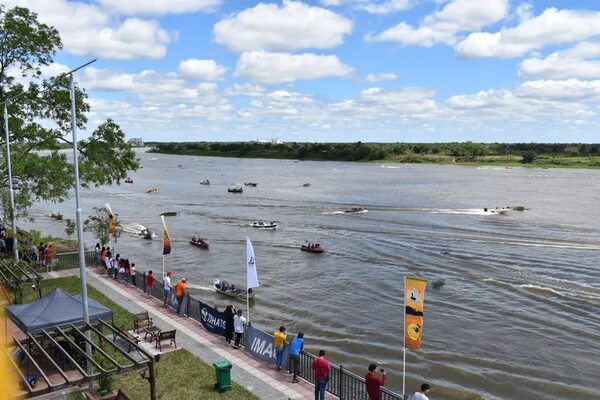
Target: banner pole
x,y
404,345
163,267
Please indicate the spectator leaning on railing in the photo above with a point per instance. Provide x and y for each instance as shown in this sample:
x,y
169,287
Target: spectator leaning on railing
x,y
294,360
322,369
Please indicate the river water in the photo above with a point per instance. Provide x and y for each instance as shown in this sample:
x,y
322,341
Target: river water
x,y
517,318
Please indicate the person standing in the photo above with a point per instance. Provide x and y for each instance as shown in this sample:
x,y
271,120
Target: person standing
x,y
49,257
374,382
179,293
238,326
132,272
149,283
422,395
103,257
228,314
322,369
296,348
97,255
167,289
279,338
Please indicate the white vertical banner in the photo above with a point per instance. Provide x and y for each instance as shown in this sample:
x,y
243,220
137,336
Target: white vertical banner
x,y
252,276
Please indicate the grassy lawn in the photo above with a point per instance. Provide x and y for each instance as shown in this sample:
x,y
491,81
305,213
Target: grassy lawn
x,y
180,374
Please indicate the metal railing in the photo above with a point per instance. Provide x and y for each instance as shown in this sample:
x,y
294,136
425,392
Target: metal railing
x,y
342,383
71,260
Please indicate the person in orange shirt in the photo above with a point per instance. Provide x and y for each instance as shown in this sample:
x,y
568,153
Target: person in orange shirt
x,y
179,293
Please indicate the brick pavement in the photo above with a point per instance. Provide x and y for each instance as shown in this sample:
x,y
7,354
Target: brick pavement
x,y
258,377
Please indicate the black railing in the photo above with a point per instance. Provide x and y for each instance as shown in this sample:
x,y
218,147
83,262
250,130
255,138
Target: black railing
x,y
71,260
342,383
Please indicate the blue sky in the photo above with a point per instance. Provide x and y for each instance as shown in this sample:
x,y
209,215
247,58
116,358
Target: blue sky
x,y
336,70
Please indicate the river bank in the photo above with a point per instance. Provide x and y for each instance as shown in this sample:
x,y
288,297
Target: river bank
x,y
472,154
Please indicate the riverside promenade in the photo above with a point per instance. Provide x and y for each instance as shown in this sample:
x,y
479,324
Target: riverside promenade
x,y
258,377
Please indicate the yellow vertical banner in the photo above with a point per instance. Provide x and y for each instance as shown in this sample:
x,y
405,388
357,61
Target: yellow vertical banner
x,y
414,300
112,226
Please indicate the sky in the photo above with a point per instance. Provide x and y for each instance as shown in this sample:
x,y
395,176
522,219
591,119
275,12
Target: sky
x,y
335,70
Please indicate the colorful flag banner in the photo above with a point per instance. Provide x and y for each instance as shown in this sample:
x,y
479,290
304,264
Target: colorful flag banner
x,y
166,239
252,276
414,299
112,225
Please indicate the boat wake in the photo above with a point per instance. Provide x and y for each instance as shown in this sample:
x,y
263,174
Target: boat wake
x,y
567,290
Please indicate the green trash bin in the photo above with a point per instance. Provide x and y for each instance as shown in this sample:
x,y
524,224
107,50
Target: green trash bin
x,y
223,374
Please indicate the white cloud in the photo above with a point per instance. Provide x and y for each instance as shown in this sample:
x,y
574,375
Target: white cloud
x,y
560,66
246,89
206,70
384,76
291,26
159,7
565,90
385,7
85,29
442,26
267,68
144,82
552,27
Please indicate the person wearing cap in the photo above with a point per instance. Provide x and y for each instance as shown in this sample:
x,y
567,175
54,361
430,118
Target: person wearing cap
x,y
179,293
167,289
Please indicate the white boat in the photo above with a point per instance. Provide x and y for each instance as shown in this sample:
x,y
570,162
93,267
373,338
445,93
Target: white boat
x,y
264,225
235,189
497,211
205,182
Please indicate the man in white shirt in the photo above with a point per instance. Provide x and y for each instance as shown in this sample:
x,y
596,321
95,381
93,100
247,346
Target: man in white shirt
x,y
422,395
167,288
238,327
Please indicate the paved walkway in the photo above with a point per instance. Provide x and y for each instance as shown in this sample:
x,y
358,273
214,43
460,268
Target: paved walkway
x,y
258,377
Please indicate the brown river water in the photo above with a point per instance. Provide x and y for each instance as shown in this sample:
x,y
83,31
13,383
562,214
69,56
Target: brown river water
x,y
517,318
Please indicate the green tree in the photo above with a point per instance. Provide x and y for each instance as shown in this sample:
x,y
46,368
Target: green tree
x,y
70,228
40,170
97,224
528,157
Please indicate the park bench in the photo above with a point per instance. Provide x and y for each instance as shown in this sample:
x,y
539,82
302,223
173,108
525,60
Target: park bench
x,y
166,335
141,320
133,338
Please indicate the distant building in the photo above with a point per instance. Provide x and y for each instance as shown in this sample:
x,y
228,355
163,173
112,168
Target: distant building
x,y
136,142
271,141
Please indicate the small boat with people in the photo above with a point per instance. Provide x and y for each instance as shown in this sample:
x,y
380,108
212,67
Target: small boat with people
x,y
128,180
205,182
356,210
153,190
311,247
231,290
253,184
264,225
497,210
146,234
56,216
198,241
235,189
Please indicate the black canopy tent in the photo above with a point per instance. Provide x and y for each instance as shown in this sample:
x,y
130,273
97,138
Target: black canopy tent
x,y
54,325
57,308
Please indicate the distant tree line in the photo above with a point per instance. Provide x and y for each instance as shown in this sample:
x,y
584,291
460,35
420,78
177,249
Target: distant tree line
x,y
359,151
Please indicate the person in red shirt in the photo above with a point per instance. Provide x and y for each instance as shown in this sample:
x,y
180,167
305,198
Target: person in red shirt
x,y
322,369
149,283
374,382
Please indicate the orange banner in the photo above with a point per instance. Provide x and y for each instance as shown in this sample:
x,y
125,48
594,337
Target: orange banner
x,y
112,226
414,299
166,239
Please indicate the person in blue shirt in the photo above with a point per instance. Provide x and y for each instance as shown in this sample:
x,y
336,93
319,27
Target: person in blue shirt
x,y
296,348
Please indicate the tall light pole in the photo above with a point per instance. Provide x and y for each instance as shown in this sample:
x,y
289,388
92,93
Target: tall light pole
x,y
11,192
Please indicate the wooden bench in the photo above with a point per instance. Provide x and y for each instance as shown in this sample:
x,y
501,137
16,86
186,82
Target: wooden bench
x,y
135,339
141,320
165,335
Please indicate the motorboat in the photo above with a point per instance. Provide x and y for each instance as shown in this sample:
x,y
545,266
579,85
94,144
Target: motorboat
x,y
146,234
306,184
264,225
205,182
56,215
312,247
179,165
253,184
497,210
169,214
199,242
153,190
356,210
235,189
226,289
128,180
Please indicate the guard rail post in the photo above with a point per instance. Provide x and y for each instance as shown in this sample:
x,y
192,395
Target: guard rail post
x,y
340,383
